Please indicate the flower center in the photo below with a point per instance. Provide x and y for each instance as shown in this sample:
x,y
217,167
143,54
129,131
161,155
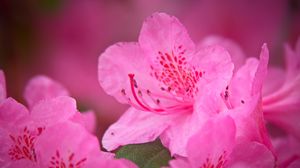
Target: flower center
x,y
178,85
175,74
57,161
23,145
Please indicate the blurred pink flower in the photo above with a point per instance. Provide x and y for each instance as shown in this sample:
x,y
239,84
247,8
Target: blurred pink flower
x,y
70,145
21,127
281,99
236,20
287,149
71,40
160,77
52,133
241,100
43,88
215,145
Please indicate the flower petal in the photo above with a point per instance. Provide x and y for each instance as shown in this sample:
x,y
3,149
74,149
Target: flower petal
x,y
164,33
86,119
206,145
65,142
116,63
287,149
215,63
42,87
273,81
282,106
53,111
12,112
241,84
98,160
176,136
261,72
251,154
238,57
179,163
134,127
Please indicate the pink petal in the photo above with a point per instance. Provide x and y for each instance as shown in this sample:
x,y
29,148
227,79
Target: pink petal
x,y
52,111
250,122
215,63
98,160
2,86
251,154
181,128
292,60
261,71
243,77
282,106
20,163
164,33
42,87
12,112
86,119
64,141
179,163
287,149
251,77
284,115
134,127
215,139
116,63
238,57
273,81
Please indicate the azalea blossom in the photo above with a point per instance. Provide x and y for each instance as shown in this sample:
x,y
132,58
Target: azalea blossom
x,y
281,99
215,145
51,133
68,144
234,134
161,76
20,127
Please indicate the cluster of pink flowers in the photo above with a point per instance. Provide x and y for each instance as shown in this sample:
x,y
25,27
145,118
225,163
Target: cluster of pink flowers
x,y
50,131
208,103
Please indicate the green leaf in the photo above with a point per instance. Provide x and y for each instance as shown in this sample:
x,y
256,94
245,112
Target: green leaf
x,y
147,155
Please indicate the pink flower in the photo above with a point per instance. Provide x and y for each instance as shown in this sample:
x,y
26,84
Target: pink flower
x,y
243,95
215,145
281,100
236,19
70,145
20,127
238,57
241,101
70,41
160,77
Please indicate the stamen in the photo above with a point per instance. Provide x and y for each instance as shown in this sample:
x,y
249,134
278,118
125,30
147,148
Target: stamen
x,y
225,97
143,105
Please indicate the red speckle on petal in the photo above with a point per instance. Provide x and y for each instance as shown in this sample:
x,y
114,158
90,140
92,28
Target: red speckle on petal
x,y
220,163
23,145
58,161
176,74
